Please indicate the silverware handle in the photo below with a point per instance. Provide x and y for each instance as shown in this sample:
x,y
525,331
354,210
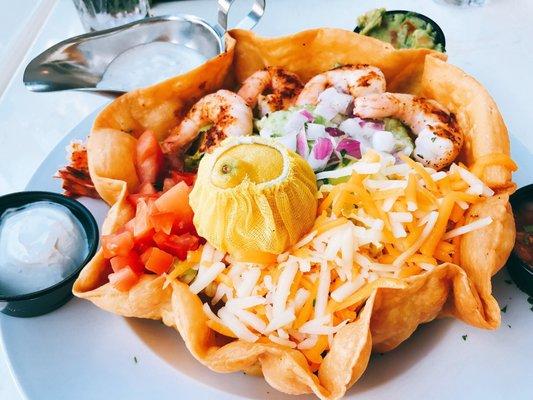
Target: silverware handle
x,y
248,22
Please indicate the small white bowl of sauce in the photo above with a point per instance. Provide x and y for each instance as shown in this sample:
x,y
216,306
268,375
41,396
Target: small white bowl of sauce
x,y
45,241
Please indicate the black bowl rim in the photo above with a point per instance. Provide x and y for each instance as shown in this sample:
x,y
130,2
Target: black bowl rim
x,y
439,37
525,193
88,225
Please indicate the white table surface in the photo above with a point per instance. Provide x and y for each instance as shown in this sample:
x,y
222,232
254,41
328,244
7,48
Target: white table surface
x,y
492,43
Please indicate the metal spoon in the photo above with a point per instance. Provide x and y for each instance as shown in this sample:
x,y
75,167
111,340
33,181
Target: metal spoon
x,y
79,63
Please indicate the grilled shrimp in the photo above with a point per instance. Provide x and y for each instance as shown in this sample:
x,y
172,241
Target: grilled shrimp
x,y
227,114
272,89
356,80
438,138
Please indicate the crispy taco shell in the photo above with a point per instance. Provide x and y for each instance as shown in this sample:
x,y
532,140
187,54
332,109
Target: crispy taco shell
x,y
391,314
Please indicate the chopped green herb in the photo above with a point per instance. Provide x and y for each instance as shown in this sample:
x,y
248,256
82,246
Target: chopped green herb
x,y
337,65
508,281
509,326
314,302
504,309
464,337
528,228
530,300
433,138
135,359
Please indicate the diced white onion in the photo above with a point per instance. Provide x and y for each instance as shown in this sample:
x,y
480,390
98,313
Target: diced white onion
x,y
315,131
294,123
325,110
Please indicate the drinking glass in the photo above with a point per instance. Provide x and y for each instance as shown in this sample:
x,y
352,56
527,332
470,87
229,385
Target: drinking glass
x,y
96,15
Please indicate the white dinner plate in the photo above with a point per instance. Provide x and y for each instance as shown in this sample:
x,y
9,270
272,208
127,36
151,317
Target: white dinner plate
x,y
82,352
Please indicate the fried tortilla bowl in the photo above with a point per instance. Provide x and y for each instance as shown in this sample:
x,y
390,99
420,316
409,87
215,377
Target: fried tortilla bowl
x,y
391,313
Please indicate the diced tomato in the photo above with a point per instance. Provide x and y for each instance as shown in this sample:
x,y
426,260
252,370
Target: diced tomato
x,y
157,260
168,183
134,198
132,260
162,221
149,157
177,245
124,279
188,177
117,244
147,192
176,200
181,226
142,224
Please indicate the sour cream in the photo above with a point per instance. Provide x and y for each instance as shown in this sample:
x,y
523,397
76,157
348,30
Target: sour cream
x,y
149,63
40,245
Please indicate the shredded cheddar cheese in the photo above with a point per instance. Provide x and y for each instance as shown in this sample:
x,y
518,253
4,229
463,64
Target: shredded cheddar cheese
x,y
375,230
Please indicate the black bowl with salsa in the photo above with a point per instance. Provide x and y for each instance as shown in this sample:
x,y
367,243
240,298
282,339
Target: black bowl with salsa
x,y
402,28
520,263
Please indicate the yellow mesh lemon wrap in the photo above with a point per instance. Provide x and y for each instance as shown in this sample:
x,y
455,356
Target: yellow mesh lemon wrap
x,y
253,195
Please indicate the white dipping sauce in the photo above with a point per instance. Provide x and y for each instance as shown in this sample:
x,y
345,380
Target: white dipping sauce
x,y
40,245
149,63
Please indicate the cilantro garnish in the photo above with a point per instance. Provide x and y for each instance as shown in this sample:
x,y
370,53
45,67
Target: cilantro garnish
x,y
504,309
464,337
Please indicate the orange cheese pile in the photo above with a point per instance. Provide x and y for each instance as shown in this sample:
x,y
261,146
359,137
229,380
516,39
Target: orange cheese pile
x,y
388,223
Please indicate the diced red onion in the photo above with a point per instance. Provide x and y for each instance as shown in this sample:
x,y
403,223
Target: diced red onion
x,y
322,149
370,124
335,132
308,115
301,144
350,146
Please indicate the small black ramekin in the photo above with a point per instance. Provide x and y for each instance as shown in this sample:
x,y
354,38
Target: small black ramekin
x,y
50,298
520,271
439,34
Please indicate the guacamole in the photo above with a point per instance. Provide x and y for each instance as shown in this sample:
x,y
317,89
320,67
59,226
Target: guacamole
x,y
402,30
